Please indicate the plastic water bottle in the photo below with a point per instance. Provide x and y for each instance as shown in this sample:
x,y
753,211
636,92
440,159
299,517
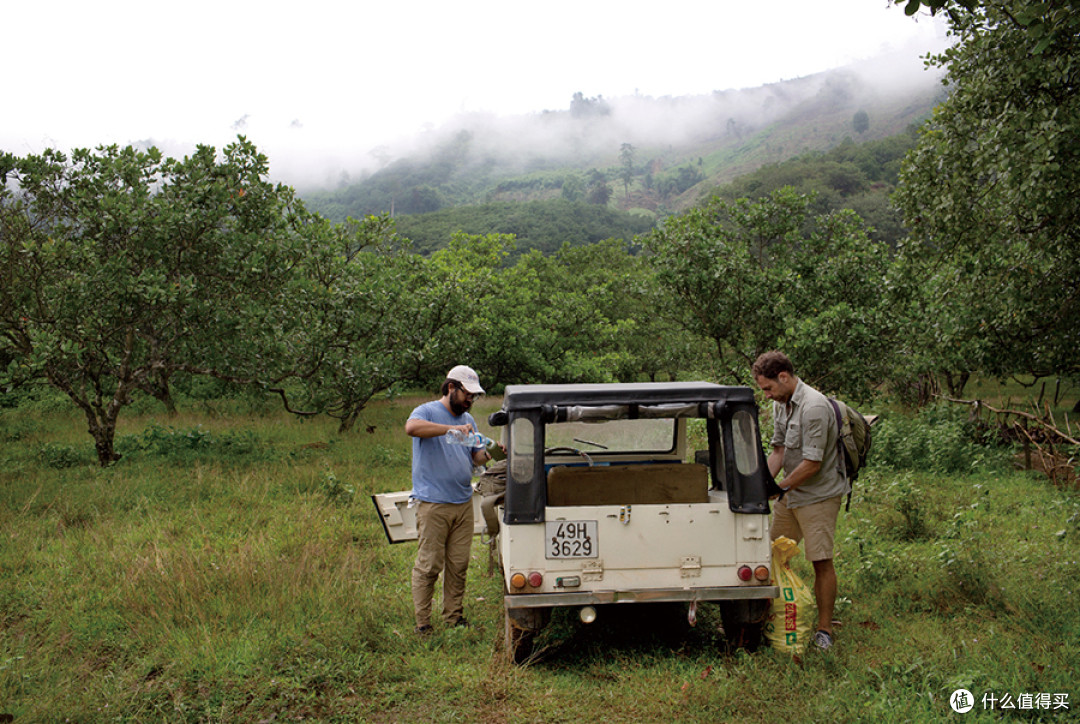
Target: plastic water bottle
x,y
471,439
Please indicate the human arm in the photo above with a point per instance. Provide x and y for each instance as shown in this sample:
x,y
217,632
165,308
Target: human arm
x,y
417,427
802,472
775,460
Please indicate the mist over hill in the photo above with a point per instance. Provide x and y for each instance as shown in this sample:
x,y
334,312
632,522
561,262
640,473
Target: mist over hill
x,y
475,158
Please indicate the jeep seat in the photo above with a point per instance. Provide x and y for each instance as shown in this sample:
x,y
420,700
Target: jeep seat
x,y
640,484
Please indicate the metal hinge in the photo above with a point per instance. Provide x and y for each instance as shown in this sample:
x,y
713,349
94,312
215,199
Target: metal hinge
x,y
691,567
592,570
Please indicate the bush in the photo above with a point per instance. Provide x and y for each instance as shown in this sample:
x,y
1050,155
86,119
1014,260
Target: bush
x,y
940,439
58,456
160,441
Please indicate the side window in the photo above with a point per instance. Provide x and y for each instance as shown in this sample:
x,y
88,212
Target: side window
x,y
522,450
745,436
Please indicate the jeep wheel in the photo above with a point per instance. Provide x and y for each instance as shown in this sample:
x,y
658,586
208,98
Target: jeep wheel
x,y
743,622
518,641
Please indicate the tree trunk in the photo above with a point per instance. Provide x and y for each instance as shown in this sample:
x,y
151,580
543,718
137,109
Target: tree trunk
x,y
103,430
348,420
157,386
957,384
103,443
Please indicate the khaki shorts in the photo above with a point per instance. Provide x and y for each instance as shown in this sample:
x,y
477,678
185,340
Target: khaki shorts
x,y
815,522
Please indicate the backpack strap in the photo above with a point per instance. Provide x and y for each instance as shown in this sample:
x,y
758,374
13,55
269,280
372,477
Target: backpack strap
x,y
840,450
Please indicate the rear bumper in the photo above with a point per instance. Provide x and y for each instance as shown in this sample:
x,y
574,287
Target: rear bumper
x,y
589,598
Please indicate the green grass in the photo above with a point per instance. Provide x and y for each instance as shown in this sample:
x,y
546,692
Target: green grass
x,y
231,568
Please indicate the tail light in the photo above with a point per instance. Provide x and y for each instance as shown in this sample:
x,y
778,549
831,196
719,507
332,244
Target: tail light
x,y
536,579
761,573
517,580
745,574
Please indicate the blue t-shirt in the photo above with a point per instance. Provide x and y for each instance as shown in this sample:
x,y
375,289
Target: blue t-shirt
x,y
441,470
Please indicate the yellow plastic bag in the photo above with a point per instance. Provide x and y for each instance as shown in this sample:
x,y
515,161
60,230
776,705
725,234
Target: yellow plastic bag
x,y
792,616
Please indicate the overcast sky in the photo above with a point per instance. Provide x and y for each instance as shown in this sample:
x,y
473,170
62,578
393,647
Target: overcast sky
x,y
343,76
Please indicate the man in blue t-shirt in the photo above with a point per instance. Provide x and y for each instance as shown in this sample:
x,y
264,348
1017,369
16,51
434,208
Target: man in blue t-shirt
x,y
442,485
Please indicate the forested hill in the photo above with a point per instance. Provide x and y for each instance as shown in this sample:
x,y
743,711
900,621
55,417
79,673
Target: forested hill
x,y
621,164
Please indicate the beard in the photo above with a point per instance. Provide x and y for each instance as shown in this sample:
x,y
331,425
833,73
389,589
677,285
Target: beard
x,y
459,408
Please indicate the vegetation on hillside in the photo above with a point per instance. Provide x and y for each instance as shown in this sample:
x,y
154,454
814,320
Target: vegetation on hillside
x,y
541,225
657,153
857,176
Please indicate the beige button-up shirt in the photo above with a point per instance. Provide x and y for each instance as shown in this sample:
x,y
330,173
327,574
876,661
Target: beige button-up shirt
x,y
806,428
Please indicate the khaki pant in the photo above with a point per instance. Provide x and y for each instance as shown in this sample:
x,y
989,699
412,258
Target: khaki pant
x,y
446,533
815,522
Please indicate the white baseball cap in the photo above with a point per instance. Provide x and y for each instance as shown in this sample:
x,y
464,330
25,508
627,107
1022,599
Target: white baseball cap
x,y
467,377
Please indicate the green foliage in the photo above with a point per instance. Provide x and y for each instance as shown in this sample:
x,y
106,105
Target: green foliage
x,y
853,176
59,456
860,122
992,198
188,445
122,268
753,276
541,225
352,310
626,166
1044,22
678,180
940,438
417,185
447,298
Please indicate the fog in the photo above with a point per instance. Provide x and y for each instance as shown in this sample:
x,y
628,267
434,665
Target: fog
x,y
334,90
591,129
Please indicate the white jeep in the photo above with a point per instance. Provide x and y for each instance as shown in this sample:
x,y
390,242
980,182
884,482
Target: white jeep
x,y
605,504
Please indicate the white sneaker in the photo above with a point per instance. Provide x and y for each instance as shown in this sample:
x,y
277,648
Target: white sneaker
x,y
823,640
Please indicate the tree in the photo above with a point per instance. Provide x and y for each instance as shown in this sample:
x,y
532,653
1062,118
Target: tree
x,y
991,195
582,107
860,122
121,268
1045,22
752,276
626,167
549,318
451,315
573,188
353,306
599,191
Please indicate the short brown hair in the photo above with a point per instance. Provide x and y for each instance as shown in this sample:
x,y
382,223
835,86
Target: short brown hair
x,y
771,364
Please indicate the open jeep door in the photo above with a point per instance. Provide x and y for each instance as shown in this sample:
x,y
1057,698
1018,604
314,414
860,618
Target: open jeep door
x,y
399,520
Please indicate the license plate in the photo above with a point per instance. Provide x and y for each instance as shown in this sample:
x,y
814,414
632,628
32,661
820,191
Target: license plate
x,y
572,539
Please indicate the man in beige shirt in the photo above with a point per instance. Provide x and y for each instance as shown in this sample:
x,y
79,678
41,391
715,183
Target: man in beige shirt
x,y
804,447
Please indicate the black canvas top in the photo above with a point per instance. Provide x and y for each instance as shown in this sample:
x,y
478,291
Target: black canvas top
x,y
524,397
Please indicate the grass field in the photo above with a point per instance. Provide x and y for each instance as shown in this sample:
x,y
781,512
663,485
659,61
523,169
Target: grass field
x,y
231,568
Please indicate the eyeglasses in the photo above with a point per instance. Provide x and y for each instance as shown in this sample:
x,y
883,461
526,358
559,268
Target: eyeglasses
x,y
470,396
